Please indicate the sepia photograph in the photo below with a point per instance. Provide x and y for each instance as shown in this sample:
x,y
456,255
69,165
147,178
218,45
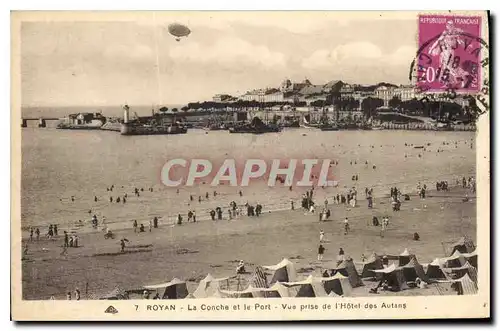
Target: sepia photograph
x,y
282,165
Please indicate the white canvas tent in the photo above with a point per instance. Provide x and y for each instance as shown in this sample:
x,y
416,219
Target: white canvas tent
x,y
309,287
435,270
208,286
283,272
175,289
394,277
338,284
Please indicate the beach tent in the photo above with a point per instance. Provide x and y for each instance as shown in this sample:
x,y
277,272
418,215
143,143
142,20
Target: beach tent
x,y
463,245
309,287
283,272
456,260
276,291
347,268
338,284
373,262
175,289
468,269
208,286
471,258
435,270
333,294
394,277
413,269
465,286
405,257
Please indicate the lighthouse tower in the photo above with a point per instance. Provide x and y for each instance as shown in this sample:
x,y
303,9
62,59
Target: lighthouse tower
x,y
125,127
126,114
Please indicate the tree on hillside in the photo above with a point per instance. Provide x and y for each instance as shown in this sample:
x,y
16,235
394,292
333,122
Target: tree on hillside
x,y
369,105
395,102
163,109
185,108
174,110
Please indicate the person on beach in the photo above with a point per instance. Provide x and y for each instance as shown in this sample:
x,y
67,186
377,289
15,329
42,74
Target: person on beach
x,y
66,239
31,234
141,228
206,195
190,216
155,222
134,225
37,233
95,198
68,296
321,251
292,205
179,219
122,245
77,294
150,226
382,230
50,233
230,216
340,256
240,269
321,236
110,199
346,226
240,193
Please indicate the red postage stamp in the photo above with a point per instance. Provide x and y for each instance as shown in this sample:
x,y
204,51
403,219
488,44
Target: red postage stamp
x,y
449,53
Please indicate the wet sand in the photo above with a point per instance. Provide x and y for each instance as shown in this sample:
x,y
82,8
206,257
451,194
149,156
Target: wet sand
x,y
192,250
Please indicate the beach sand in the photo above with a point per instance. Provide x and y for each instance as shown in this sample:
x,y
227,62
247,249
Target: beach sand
x,y
192,250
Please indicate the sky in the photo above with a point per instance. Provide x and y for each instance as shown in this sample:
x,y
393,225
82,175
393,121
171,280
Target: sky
x,y
105,61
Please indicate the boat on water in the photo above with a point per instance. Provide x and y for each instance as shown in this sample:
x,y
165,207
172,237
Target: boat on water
x,y
151,125
216,127
256,126
82,121
329,127
443,127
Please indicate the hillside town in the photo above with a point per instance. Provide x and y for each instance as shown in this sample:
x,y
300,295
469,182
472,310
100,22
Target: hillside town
x,y
345,100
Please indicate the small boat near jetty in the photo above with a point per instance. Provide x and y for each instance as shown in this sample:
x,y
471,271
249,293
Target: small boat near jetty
x,y
256,126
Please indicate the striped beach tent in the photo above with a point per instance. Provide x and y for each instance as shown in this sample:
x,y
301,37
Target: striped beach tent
x,y
465,286
468,269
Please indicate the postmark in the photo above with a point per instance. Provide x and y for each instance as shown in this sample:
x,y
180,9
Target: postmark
x,y
452,62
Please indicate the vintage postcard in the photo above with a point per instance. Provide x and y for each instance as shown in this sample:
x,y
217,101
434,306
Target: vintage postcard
x,y
187,166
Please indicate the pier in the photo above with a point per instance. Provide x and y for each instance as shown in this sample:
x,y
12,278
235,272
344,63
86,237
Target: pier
x,y
42,121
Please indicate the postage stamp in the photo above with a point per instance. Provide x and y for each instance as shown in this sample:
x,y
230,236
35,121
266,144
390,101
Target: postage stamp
x,y
450,53
189,166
